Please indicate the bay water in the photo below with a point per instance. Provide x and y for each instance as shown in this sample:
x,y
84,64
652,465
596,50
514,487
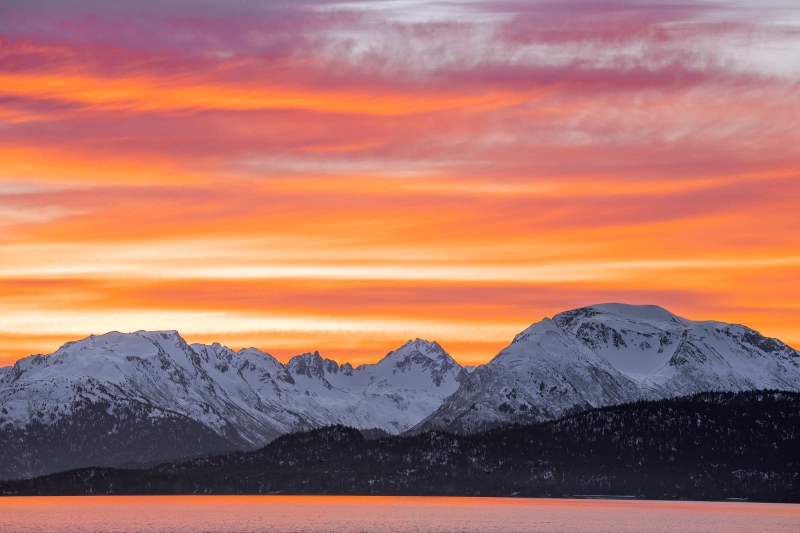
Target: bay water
x,y
368,514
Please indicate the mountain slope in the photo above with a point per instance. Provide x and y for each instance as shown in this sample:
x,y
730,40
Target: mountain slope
x,y
394,394
710,446
608,354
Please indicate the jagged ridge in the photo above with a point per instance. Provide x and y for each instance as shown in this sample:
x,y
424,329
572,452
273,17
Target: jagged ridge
x,y
217,399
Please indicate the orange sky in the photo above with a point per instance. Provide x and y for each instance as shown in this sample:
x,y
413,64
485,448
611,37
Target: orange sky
x,y
342,177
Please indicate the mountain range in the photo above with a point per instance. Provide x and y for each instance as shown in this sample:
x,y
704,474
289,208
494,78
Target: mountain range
x,y
140,398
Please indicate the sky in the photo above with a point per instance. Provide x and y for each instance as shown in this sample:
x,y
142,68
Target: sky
x,y
345,176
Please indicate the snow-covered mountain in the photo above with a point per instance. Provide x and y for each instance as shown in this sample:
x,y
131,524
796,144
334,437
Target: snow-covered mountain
x,y
99,394
612,353
394,394
143,397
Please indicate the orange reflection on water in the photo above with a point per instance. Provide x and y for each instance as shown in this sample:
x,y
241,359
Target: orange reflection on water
x,y
340,514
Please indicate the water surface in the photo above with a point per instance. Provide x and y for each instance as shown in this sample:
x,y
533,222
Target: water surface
x,y
318,514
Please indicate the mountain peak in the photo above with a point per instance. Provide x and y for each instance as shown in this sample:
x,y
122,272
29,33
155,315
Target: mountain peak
x,y
421,356
312,365
252,351
616,312
430,349
166,333
644,312
116,342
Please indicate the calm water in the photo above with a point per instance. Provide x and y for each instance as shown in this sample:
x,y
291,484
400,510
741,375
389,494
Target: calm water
x,y
317,514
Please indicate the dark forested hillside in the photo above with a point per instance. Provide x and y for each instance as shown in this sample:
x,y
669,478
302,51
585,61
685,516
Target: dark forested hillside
x,y
708,446
104,434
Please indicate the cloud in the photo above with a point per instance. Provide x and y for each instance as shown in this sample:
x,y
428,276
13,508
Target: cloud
x,y
468,164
